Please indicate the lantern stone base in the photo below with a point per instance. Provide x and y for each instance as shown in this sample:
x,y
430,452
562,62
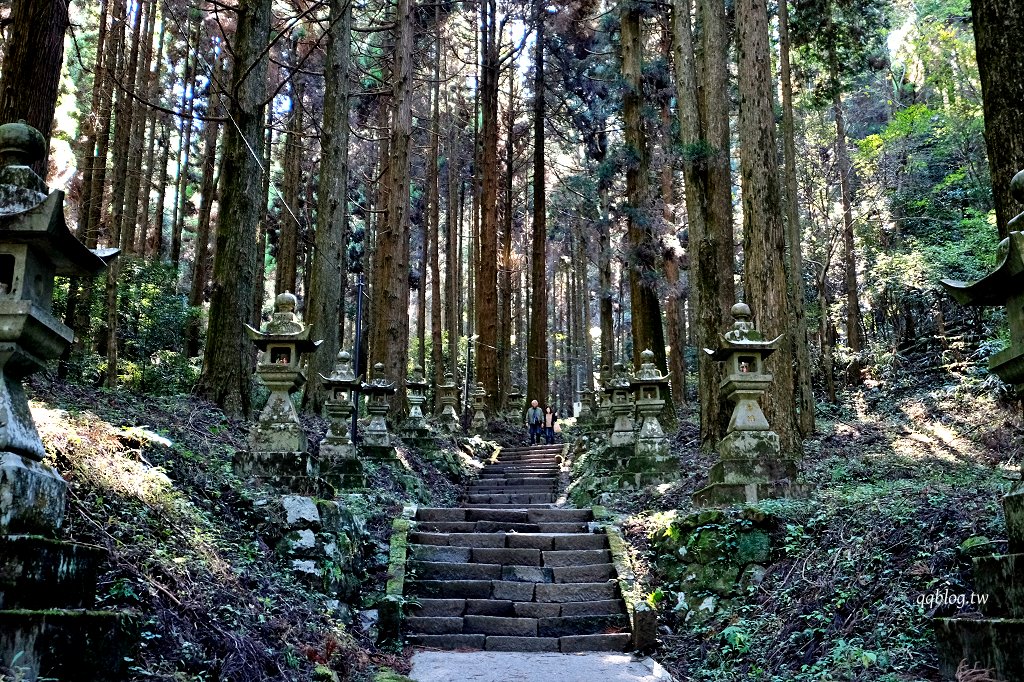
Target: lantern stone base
x,y
33,496
340,467
283,436
38,572
745,470
68,645
720,494
295,471
378,453
992,642
479,422
632,467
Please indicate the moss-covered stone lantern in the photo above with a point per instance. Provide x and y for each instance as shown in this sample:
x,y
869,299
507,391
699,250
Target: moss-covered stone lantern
x,y
751,465
416,426
516,402
278,446
48,628
620,390
376,441
448,395
994,639
339,464
479,397
651,462
35,246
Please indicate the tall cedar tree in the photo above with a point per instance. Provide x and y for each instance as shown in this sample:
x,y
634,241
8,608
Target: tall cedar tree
x,y
763,229
998,37
537,345
227,362
703,110
32,64
389,332
795,271
645,308
326,293
486,290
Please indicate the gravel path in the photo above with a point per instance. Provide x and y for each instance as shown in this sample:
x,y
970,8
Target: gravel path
x,y
500,666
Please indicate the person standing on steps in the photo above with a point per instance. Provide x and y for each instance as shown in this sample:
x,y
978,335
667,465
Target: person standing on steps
x,y
535,420
550,422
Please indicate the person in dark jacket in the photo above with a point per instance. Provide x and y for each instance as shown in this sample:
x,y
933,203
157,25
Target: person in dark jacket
x,y
535,420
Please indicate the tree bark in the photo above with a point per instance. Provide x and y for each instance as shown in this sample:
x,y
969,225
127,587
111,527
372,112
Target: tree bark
x,y
185,143
998,36
32,63
323,304
434,216
763,230
137,135
153,93
795,272
645,308
853,332
389,331
228,358
288,244
537,345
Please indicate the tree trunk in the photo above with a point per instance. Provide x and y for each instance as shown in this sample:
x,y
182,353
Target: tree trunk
x,y
185,143
998,36
763,230
702,96
288,244
32,64
389,331
853,333
505,338
154,116
228,358
134,175
207,195
434,194
157,242
645,307
795,272
323,304
537,345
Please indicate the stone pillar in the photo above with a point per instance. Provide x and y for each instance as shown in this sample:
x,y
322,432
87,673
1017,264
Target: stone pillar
x,y
448,394
586,400
376,438
479,395
751,466
278,448
47,586
339,464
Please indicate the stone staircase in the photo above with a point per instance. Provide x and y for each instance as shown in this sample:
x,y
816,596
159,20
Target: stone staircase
x,y
510,571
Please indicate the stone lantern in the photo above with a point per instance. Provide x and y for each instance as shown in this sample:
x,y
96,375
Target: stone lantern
x,y
339,464
620,391
516,404
603,398
47,586
751,465
448,395
35,246
993,640
376,439
416,394
278,446
651,462
479,397
586,400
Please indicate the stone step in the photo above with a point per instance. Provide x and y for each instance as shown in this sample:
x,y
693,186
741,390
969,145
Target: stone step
x,y
499,527
515,626
521,516
447,608
513,590
510,490
567,645
577,557
542,541
523,498
512,484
